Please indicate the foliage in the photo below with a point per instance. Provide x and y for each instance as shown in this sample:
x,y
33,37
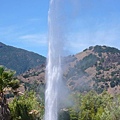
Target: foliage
x,y
18,59
87,62
93,106
7,82
81,66
38,88
26,107
112,84
7,79
64,115
100,49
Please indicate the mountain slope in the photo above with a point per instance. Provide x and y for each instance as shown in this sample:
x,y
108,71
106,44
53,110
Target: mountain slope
x,y
95,68
18,59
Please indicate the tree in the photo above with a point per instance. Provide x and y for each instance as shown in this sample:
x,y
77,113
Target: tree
x,y
93,106
26,107
7,82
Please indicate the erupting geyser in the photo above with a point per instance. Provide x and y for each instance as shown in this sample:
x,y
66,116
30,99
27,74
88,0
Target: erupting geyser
x,y
53,72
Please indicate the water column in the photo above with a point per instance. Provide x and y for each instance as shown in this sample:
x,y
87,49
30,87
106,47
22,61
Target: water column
x,y
53,71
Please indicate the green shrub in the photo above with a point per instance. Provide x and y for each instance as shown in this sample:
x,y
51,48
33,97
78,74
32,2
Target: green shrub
x,y
26,107
93,106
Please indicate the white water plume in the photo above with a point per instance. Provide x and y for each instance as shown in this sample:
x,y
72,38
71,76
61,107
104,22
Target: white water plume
x,y
53,72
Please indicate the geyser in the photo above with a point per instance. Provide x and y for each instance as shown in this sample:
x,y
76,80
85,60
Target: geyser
x,y
53,72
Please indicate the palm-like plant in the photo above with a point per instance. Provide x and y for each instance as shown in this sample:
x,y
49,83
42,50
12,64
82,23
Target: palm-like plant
x,y
7,82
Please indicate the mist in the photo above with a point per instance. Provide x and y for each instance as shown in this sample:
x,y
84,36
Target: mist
x,y
55,87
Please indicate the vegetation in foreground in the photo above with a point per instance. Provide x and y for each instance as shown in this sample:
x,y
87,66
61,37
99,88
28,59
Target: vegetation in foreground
x,y
89,106
26,107
94,106
21,107
85,106
8,84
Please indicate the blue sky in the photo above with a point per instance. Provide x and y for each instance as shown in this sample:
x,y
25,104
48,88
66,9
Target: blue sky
x,y
23,24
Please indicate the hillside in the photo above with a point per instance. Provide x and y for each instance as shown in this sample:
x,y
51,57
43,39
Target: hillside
x,y
18,59
95,68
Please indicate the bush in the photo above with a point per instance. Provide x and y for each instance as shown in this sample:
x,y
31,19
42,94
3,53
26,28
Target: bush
x,y
112,84
26,107
93,106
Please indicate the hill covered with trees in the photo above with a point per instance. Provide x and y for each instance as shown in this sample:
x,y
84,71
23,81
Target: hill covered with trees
x,y
18,59
96,68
